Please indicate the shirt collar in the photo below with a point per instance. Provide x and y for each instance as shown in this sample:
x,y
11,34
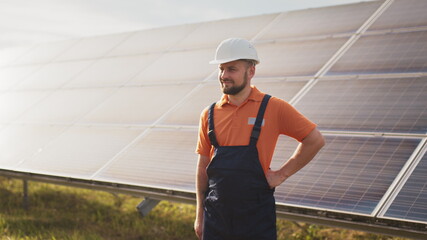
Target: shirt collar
x,y
255,95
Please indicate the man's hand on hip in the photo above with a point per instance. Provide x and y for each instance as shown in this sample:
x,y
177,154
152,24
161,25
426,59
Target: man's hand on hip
x,y
274,178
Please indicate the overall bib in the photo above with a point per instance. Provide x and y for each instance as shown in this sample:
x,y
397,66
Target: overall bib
x,y
239,203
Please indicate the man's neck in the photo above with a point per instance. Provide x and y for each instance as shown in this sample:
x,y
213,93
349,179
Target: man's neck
x,y
241,97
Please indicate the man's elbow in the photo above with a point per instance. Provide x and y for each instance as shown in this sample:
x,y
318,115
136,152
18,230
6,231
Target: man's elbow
x,y
321,141
315,138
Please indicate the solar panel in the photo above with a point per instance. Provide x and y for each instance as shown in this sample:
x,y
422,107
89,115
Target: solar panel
x,y
402,14
377,105
411,202
92,47
202,37
65,106
161,158
22,101
148,41
321,21
11,76
123,110
63,155
404,52
22,142
137,105
9,55
111,71
351,174
188,113
295,58
44,53
285,90
53,76
194,68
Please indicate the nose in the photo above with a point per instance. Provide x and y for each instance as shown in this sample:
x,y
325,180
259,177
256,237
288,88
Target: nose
x,y
223,74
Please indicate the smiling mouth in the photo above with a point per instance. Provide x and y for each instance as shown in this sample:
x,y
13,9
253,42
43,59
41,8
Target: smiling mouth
x,y
226,81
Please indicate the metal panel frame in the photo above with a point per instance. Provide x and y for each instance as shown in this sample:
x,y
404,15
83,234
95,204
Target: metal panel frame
x,y
404,176
400,180
316,216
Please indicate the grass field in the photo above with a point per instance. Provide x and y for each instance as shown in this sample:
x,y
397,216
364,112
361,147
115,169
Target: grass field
x,y
59,212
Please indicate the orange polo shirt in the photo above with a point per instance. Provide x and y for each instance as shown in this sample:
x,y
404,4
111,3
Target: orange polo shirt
x,y
233,125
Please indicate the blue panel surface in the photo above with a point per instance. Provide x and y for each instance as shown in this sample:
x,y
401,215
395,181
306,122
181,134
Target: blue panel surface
x,y
350,174
404,52
411,202
373,105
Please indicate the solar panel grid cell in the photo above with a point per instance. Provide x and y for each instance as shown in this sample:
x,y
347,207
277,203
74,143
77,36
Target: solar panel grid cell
x,y
143,42
188,113
285,90
92,47
63,155
9,55
53,76
22,102
351,174
202,37
402,14
378,105
44,53
321,21
386,53
116,71
137,105
298,58
411,202
65,106
22,142
179,66
163,158
12,76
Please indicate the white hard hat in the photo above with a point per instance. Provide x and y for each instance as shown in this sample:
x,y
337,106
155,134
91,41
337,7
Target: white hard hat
x,y
234,49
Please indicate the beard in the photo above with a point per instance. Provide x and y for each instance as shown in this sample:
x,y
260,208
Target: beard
x,y
234,90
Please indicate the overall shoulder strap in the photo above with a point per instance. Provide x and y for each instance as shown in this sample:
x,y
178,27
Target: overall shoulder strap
x,y
211,132
256,130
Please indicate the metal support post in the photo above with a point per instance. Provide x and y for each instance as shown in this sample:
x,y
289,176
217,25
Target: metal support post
x,y
25,203
146,206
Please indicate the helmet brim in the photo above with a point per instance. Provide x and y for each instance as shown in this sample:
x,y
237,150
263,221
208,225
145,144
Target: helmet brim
x,y
221,61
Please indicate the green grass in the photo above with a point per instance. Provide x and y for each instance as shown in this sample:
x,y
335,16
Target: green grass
x,y
59,212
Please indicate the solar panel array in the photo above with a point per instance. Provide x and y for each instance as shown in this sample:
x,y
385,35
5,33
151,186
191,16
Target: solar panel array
x,y
124,108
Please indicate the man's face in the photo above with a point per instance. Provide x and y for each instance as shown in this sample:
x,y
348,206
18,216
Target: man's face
x,y
234,76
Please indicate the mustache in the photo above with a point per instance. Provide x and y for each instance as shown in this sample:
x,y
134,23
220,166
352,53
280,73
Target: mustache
x,y
226,80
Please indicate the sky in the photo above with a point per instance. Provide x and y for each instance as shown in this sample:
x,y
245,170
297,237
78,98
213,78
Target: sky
x,y
25,22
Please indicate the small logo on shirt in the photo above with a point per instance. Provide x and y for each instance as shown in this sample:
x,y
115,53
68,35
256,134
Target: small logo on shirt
x,y
251,121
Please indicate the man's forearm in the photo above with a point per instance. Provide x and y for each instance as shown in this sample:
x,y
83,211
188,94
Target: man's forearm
x,y
201,188
201,183
304,153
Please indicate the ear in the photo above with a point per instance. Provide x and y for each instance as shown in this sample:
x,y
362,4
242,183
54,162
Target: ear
x,y
251,71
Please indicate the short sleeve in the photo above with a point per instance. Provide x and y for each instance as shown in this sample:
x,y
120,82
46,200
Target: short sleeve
x,y
294,123
203,142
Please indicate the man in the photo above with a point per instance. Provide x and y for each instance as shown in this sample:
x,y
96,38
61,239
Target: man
x,y
237,137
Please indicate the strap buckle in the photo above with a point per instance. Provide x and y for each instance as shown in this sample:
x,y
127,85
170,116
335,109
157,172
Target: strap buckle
x,y
256,132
